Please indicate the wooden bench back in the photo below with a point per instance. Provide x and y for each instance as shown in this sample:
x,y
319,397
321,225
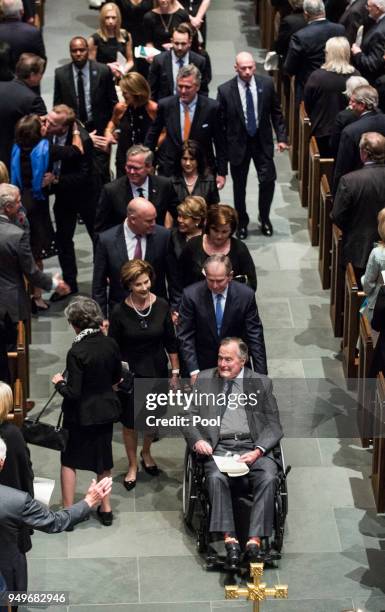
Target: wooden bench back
x,y
365,386
317,167
337,283
352,304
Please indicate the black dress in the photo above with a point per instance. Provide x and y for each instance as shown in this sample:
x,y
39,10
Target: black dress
x,y
205,186
159,28
133,128
132,19
193,257
144,348
106,50
192,7
93,365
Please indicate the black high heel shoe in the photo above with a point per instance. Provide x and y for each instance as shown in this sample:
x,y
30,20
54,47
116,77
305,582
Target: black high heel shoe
x,y
152,470
130,484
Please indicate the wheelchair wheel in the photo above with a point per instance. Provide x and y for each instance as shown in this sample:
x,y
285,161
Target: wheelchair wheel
x,y
189,489
279,523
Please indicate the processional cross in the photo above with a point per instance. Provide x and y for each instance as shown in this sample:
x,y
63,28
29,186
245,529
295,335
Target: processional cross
x,y
256,591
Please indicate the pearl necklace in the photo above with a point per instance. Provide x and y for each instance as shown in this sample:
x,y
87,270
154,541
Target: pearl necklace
x,y
139,312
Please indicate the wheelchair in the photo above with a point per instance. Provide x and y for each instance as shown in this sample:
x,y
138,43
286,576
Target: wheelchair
x,y
196,510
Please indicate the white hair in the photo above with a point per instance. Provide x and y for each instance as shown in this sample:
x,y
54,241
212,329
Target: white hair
x,y
380,4
3,450
12,8
314,7
352,83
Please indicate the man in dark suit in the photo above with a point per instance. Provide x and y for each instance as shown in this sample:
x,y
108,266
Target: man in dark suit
x,y
18,508
189,116
353,17
138,182
137,238
247,424
287,26
368,58
165,66
18,98
359,198
249,106
307,46
213,309
73,189
334,9
364,104
17,260
21,37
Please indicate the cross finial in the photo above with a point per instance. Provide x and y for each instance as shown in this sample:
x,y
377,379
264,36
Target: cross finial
x,y
256,591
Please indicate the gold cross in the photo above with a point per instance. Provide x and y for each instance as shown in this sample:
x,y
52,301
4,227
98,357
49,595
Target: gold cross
x,y
256,591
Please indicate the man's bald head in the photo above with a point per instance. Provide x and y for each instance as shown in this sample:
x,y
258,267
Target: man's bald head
x,y
245,66
141,216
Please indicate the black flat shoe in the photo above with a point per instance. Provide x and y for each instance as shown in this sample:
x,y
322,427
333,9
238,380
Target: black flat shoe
x,y
253,554
105,518
152,470
233,556
267,229
35,308
242,233
57,297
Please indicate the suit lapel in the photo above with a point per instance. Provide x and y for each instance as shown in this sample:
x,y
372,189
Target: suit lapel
x,y
150,256
177,124
168,69
230,309
152,190
71,85
94,80
238,102
258,83
120,245
209,309
197,117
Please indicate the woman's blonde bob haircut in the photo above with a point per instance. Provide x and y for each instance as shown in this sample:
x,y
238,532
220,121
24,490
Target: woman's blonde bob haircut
x,y
110,6
137,87
337,56
194,207
131,271
6,401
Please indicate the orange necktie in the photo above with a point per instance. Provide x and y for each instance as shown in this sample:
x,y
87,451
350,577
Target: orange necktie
x,y
187,123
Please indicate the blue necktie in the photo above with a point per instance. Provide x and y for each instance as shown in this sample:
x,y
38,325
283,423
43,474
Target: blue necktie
x,y
180,62
219,312
250,114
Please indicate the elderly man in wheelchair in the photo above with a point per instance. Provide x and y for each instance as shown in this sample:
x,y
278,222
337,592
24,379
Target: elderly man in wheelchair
x,y
243,422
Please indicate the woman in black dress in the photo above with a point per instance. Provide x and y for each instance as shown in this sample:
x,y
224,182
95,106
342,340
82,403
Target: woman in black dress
x,y
218,239
133,12
192,214
143,329
90,404
109,39
132,118
160,22
197,10
194,178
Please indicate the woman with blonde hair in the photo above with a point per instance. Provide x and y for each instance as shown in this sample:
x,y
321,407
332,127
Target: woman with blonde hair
x,y
372,280
4,175
111,38
324,91
132,118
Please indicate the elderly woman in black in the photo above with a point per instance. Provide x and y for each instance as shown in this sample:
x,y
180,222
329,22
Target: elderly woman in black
x,y
194,178
90,404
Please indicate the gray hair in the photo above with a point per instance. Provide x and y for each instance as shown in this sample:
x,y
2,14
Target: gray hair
x,y
11,8
352,83
8,195
84,313
366,95
189,70
314,7
3,449
219,259
380,4
139,149
243,351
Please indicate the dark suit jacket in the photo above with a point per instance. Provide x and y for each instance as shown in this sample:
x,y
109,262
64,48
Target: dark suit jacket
x,y
22,38
160,76
111,254
205,186
269,112
262,413
206,128
360,196
17,260
370,61
112,205
348,157
307,50
354,16
287,26
334,9
103,94
16,100
197,329
343,118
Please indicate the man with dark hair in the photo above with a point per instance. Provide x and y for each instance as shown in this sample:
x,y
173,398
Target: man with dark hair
x,y
165,66
22,37
359,198
18,98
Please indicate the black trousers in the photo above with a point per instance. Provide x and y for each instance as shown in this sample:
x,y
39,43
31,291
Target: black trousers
x,y
265,168
66,212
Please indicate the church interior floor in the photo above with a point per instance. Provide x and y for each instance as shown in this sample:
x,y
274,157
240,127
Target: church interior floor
x,y
334,551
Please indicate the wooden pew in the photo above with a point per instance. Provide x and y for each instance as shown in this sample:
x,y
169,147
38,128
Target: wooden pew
x,y
337,283
293,127
365,385
325,233
378,465
18,359
352,304
303,154
267,24
317,167
18,414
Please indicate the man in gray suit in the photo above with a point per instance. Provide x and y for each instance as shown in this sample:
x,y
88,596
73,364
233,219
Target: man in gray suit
x,y
247,425
18,507
17,260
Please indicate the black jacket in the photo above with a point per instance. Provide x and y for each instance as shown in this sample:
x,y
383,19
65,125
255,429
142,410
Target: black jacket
x,y
22,38
343,118
353,17
161,79
287,27
205,186
269,113
370,61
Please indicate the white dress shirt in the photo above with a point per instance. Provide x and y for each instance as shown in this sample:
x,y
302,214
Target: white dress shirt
x,y
131,242
145,186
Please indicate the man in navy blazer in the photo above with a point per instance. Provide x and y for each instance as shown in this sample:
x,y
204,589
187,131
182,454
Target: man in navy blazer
x,y
307,46
189,116
119,244
249,106
21,37
200,325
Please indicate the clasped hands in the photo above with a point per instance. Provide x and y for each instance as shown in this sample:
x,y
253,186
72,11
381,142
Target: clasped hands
x,y
204,448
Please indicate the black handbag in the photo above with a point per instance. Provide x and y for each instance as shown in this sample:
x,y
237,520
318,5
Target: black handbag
x,y
44,434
